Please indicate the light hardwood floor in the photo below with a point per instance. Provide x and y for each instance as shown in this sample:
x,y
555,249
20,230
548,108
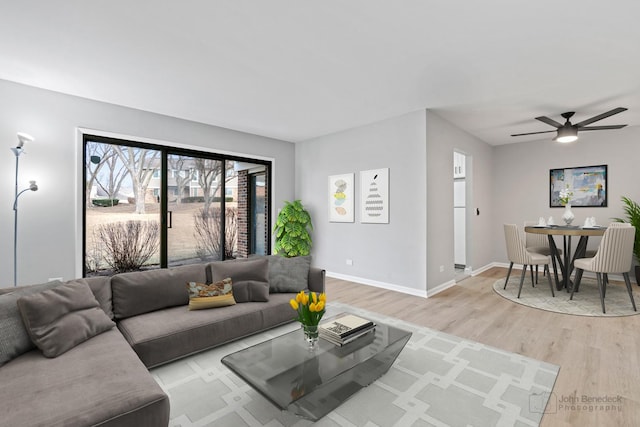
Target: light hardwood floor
x,y
598,357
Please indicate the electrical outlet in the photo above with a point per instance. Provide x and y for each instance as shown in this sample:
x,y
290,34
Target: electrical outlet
x,y
442,269
349,261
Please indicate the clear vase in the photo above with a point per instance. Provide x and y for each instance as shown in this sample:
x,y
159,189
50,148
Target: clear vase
x,y
567,216
311,335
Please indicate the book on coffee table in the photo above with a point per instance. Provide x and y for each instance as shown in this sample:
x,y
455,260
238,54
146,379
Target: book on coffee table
x,y
345,329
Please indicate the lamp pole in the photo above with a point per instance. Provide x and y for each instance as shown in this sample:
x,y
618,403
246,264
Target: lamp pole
x,y
22,138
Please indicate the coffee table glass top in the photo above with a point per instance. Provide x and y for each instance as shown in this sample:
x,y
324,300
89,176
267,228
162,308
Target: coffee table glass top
x,y
311,383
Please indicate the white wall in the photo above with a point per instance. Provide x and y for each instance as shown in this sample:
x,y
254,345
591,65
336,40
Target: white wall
x,y
443,138
521,178
391,255
47,221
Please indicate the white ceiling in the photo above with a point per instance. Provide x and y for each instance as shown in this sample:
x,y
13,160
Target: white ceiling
x,y
296,69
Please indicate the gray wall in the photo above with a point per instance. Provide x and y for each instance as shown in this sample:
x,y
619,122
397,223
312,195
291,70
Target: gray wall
x,y
47,221
521,178
442,139
391,255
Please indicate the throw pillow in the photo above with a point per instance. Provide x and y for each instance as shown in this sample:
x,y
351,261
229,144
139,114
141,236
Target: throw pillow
x,y
250,278
58,319
219,294
288,274
14,339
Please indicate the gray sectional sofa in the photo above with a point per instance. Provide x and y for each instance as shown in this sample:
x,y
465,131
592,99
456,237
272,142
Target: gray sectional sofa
x,y
104,380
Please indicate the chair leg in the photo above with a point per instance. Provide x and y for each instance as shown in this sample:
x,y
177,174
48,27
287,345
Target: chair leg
x,y
546,268
577,283
600,286
532,283
536,274
628,283
578,278
508,274
524,273
605,281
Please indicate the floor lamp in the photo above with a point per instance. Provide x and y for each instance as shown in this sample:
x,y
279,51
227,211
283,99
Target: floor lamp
x,y
22,138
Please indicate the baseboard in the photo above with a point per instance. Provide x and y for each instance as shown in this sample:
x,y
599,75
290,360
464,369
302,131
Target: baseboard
x,y
440,288
377,284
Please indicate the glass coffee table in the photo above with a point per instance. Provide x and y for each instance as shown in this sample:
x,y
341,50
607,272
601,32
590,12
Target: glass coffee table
x,y
311,383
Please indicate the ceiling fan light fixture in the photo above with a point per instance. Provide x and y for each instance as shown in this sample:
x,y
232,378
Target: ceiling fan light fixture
x,y
566,134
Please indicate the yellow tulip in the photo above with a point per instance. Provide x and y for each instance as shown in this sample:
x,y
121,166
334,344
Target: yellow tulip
x,y
294,304
305,299
299,297
323,297
314,296
320,306
312,307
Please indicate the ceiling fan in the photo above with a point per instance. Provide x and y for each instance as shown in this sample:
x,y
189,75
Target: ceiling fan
x,y
568,132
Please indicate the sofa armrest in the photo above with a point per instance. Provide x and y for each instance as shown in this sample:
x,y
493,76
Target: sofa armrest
x,y
316,279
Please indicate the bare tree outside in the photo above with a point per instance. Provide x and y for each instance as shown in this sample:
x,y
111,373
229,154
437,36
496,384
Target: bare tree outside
x,y
207,233
96,157
140,163
183,174
129,245
111,182
209,177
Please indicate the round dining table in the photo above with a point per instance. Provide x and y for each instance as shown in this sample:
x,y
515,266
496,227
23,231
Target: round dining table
x,y
566,262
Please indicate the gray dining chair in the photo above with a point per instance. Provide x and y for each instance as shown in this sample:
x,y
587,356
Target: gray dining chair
x,y
614,255
518,254
537,243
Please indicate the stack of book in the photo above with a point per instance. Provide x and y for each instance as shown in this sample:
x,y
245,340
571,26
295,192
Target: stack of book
x,y
345,328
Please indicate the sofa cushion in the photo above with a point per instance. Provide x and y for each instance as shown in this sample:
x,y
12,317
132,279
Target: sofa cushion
x,y
165,335
217,294
100,382
250,278
144,291
288,274
101,288
14,338
58,319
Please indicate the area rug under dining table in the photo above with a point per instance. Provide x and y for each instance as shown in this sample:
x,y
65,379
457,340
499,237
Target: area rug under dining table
x,y
585,302
437,380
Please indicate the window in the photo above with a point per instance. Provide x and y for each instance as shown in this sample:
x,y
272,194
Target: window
x,y
174,202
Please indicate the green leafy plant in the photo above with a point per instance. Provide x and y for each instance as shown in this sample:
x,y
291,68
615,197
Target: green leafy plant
x,y
632,211
292,230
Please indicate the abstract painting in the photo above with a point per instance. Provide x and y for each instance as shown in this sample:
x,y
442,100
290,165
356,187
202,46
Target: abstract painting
x,y
341,198
588,185
374,196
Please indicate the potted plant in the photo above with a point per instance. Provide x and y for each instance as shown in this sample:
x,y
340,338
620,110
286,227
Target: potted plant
x,y
292,230
632,210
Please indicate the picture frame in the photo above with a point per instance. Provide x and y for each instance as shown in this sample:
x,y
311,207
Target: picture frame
x,y
341,197
374,196
588,184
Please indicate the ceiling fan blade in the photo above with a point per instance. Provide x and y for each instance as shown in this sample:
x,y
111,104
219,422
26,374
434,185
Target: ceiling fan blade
x,y
600,117
533,133
603,127
549,121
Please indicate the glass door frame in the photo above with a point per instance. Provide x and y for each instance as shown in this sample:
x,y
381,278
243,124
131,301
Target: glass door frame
x,y
165,151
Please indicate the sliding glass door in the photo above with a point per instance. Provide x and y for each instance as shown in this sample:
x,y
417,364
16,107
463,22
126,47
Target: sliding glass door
x,y
156,206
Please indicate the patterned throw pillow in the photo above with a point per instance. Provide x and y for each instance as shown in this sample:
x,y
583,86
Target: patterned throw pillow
x,y
217,294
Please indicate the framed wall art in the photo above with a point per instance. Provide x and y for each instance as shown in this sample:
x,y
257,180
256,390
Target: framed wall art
x,y
588,185
341,198
374,196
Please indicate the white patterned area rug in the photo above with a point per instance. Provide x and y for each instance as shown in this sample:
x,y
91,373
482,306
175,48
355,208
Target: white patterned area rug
x,y
437,380
586,302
